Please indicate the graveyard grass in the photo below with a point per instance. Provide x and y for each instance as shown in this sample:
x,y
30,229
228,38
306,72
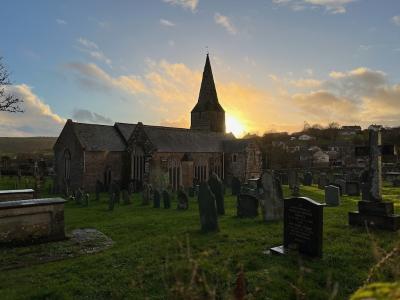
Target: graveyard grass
x,y
161,254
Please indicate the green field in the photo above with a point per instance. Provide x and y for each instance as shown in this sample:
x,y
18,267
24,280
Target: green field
x,y
161,254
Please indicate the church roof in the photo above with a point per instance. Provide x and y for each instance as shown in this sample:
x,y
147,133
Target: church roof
x,y
94,137
125,129
169,139
236,146
208,99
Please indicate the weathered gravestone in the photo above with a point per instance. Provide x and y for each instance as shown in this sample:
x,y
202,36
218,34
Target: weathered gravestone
x,y
79,196
247,206
126,198
271,197
217,189
156,199
166,199
183,200
352,188
332,195
323,181
374,211
86,199
117,191
111,199
308,179
341,183
146,194
303,226
207,208
235,186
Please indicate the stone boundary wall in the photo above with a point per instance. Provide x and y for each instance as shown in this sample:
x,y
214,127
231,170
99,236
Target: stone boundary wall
x,y
10,195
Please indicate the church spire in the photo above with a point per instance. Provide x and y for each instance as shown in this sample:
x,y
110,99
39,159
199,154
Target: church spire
x,y
208,114
208,99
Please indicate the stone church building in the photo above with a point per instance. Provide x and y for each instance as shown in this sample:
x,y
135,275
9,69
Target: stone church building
x,y
162,156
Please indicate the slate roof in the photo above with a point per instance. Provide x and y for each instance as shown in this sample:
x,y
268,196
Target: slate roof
x,y
169,139
208,99
236,146
125,129
94,137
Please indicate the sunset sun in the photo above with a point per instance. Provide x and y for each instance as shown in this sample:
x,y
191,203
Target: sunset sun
x,y
235,126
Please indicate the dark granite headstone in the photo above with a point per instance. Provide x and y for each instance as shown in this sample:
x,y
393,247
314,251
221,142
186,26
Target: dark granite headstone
x,y
166,199
352,188
217,188
156,199
332,195
303,226
208,211
308,179
247,206
183,200
236,185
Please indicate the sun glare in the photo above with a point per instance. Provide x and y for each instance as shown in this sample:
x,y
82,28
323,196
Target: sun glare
x,y
233,125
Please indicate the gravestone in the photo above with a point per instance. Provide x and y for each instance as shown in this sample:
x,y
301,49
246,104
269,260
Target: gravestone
x,y
146,194
322,181
293,179
271,197
341,183
156,199
373,211
166,199
207,209
126,198
98,190
86,199
247,206
217,189
352,188
191,192
79,196
332,195
117,191
236,185
302,226
308,179
183,200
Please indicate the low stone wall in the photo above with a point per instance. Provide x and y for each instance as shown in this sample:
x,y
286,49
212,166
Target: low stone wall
x,y
31,221
11,195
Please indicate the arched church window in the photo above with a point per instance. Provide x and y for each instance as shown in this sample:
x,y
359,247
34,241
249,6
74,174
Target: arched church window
x,y
67,164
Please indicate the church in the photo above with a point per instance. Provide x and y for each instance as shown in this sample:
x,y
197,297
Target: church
x,y
165,157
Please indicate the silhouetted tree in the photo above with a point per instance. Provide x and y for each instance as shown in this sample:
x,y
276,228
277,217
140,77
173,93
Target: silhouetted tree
x,y
8,102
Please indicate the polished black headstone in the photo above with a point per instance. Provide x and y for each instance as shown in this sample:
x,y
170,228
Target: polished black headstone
x,y
303,227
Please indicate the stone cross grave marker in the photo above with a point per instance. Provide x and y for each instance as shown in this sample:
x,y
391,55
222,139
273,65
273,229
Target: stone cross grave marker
x,y
372,210
332,195
303,226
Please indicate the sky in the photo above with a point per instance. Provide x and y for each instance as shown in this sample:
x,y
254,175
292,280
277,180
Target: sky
x,y
276,63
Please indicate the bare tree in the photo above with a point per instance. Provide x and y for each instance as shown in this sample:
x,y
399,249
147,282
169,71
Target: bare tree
x,y
8,102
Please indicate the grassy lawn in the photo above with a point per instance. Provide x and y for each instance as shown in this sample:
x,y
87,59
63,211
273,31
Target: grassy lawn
x,y
157,251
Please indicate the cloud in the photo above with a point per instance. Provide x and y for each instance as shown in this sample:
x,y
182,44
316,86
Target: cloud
x,y
225,22
37,119
84,115
93,77
166,23
396,20
93,50
331,6
187,4
306,83
61,22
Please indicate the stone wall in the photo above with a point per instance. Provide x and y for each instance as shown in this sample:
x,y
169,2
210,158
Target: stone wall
x,y
31,221
10,195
